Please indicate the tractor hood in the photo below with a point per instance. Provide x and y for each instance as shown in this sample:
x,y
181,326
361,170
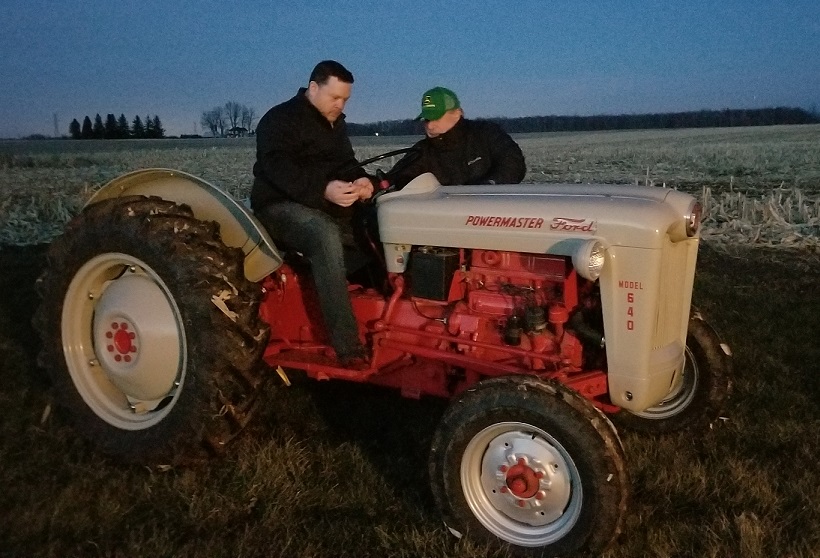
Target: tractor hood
x,y
536,218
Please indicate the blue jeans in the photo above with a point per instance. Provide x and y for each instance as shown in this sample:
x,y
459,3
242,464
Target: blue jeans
x,y
318,237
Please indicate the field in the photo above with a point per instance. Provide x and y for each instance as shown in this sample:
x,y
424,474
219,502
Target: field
x,y
339,470
760,184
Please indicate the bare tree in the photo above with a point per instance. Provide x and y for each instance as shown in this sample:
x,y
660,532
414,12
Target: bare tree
x,y
214,120
233,111
248,117
219,114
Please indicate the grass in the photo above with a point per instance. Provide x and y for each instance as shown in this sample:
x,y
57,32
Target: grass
x,y
331,469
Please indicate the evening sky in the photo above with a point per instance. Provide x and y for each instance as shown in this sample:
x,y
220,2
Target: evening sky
x,y
176,59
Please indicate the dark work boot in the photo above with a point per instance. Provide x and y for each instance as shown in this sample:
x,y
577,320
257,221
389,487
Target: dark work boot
x,y
358,359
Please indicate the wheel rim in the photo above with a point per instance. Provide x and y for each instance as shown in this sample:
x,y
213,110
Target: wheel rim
x,y
123,341
680,396
521,484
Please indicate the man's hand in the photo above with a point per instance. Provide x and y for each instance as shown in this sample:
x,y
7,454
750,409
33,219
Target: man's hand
x,y
364,186
344,194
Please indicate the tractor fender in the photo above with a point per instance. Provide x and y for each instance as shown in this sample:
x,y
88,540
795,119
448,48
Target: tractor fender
x,y
238,227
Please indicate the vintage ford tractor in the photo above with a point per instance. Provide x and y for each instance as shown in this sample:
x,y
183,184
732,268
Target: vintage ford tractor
x,y
540,311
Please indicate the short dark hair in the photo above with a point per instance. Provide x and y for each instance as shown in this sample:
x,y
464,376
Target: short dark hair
x,y
326,69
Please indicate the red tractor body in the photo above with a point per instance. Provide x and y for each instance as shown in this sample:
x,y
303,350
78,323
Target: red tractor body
x,y
467,325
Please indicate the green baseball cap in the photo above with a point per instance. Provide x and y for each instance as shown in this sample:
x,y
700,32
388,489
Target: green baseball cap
x,y
436,101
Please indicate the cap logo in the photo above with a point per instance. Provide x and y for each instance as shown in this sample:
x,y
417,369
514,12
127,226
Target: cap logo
x,y
427,102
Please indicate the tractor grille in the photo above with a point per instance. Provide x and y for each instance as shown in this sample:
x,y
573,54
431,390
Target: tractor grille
x,y
675,291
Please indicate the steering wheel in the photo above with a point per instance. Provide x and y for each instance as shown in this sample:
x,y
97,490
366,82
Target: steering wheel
x,y
384,178
380,157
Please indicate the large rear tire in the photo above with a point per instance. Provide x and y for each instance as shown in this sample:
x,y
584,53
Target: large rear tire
x,y
532,464
151,333
700,395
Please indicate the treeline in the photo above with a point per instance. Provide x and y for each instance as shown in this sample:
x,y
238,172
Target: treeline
x,y
117,128
694,119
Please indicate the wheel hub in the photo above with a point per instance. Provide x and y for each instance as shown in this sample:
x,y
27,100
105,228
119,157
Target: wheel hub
x,y
123,341
526,478
137,338
522,480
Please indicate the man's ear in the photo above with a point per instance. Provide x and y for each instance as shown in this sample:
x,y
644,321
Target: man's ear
x,y
312,88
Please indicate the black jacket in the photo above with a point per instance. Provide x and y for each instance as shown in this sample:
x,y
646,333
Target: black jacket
x,y
297,153
471,152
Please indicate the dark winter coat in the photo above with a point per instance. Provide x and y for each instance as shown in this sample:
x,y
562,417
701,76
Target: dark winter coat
x,y
471,152
297,153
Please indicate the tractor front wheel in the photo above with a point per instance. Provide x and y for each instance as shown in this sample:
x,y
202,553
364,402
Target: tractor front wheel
x,y
532,464
699,395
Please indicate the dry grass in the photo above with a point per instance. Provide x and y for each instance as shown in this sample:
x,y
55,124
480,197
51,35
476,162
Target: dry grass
x,y
335,469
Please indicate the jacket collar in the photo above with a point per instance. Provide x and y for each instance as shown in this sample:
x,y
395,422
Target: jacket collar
x,y
451,136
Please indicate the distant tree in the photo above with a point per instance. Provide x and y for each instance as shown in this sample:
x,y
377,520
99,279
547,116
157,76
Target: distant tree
x,y
122,125
149,127
214,120
221,121
88,130
74,129
112,130
248,117
233,112
158,130
99,127
137,129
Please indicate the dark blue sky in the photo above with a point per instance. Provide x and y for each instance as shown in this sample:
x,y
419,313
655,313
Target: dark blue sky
x,y
505,58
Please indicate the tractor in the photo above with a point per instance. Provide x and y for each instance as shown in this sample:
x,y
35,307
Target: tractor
x,y
545,314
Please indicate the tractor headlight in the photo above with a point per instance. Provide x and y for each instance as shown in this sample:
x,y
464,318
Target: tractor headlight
x,y
692,218
589,259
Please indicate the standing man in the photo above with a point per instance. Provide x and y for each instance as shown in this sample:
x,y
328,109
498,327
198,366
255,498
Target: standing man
x,y
303,197
461,151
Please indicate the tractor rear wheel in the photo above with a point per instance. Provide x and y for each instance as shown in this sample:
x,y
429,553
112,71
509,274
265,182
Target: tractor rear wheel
x,y
150,331
532,464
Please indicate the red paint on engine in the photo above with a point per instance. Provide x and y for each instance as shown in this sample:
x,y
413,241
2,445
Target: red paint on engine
x,y
440,348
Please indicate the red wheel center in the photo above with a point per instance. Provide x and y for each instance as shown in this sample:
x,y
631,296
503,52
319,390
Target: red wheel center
x,y
122,341
522,480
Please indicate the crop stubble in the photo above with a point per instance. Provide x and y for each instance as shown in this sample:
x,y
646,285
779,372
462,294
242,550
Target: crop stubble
x,y
759,185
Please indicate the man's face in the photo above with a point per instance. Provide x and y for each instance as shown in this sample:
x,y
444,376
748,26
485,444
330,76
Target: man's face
x,y
329,98
435,128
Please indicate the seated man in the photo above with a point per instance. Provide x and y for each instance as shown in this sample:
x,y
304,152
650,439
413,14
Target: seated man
x,y
303,198
460,151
